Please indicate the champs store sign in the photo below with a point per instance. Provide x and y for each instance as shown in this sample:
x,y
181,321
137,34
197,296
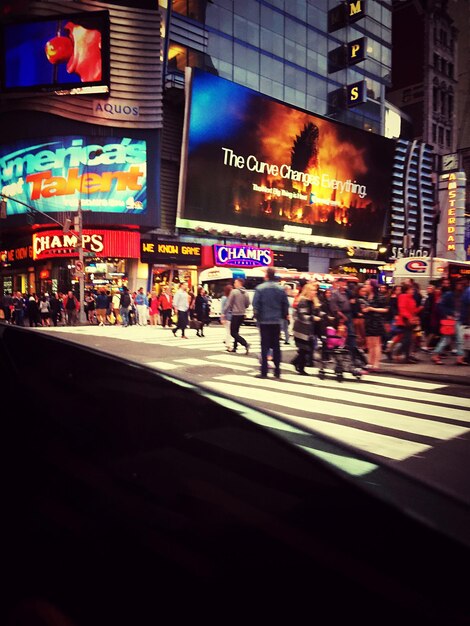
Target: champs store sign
x,y
107,175
103,243
242,256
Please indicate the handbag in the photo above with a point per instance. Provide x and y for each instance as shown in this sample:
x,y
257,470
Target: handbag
x,y
447,327
302,330
466,337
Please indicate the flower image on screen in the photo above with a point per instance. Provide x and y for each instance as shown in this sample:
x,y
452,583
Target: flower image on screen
x,y
64,52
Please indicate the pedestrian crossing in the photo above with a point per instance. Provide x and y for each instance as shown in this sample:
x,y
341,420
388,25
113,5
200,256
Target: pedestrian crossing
x,y
388,418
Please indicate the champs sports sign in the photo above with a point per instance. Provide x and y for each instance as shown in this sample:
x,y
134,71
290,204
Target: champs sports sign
x,y
102,243
242,256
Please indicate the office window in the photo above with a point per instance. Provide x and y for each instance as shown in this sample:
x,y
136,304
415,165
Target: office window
x,y
272,20
448,138
440,135
434,133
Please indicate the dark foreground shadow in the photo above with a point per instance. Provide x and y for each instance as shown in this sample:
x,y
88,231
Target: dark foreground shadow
x,y
131,498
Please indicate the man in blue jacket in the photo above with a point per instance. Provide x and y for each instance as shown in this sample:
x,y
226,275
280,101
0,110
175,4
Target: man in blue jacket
x,y
270,307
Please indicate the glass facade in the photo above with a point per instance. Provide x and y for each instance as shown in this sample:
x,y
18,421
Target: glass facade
x,y
280,48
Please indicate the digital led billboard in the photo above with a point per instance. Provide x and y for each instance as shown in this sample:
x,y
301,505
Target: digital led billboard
x,y
59,53
252,161
108,175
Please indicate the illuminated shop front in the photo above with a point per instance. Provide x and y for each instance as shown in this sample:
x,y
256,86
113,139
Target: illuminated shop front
x,y
46,262
171,262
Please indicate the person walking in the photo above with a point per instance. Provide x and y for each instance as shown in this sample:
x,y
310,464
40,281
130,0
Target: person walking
x,y
307,315
32,312
408,312
226,316
142,305
165,304
455,306
270,306
181,302
237,304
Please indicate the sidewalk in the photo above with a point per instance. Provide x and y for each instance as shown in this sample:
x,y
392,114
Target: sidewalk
x,y
425,369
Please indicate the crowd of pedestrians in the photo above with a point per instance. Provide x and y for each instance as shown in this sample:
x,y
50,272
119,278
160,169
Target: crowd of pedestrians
x,y
398,322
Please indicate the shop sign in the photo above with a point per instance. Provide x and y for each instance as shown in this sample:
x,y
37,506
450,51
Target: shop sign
x,y
162,252
19,255
242,256
55,243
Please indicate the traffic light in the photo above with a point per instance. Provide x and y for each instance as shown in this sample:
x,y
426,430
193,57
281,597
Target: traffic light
x,y
66,226
3,209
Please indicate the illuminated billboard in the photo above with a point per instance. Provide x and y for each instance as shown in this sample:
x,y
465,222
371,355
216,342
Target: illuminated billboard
x,y
108,175
63,53
252,161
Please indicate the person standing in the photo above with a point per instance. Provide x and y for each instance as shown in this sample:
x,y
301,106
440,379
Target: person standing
x,y
142,304
237,304
18,304
33,311
45,310
270,306
181,302
101,307
201,308
375,309
115,304
56,308
71,308
408,312
125,304
165,303
154,308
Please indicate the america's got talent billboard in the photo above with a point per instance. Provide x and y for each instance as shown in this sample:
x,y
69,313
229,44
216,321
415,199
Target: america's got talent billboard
x,y
107,175
249,160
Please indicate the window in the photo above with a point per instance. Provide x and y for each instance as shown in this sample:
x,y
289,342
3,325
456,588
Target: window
x,y
434,133
447,138
440,132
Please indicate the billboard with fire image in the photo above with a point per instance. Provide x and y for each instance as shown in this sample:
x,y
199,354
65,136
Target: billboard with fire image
x,y
253,161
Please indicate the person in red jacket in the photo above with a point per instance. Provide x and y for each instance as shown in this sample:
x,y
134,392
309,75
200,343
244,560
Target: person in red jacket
x,y
165,303
408,311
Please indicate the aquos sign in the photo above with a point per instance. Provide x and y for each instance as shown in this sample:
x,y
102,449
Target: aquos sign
x,y
242,256
105,174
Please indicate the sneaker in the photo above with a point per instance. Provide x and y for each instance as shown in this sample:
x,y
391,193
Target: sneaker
x,y
247,348
173,331
260,376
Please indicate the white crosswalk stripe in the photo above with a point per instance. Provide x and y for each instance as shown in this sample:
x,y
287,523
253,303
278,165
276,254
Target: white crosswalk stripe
x,y
371,414
387,417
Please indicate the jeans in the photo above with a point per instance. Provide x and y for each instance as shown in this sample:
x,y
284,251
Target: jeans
x,y
125,316
235,324
446,339
270,341
182,322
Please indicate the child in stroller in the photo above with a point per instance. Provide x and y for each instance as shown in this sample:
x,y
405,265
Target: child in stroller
x,y
336,351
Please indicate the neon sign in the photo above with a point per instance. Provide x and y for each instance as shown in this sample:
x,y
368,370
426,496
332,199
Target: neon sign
x,y
54,175
242,256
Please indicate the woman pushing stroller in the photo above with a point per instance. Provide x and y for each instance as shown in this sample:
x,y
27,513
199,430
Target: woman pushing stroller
x,y
306,326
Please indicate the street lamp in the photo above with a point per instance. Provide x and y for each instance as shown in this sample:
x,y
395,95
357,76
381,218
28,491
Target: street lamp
x,y
81,273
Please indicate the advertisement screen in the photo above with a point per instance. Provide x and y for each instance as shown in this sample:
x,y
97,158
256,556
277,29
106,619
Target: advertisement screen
x,y
252,161
107,175
55,54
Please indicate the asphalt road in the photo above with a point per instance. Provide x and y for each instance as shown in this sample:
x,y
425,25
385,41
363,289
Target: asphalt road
x,y
420,426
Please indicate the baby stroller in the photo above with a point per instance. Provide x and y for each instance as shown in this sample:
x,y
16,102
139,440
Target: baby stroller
x,y
336,355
